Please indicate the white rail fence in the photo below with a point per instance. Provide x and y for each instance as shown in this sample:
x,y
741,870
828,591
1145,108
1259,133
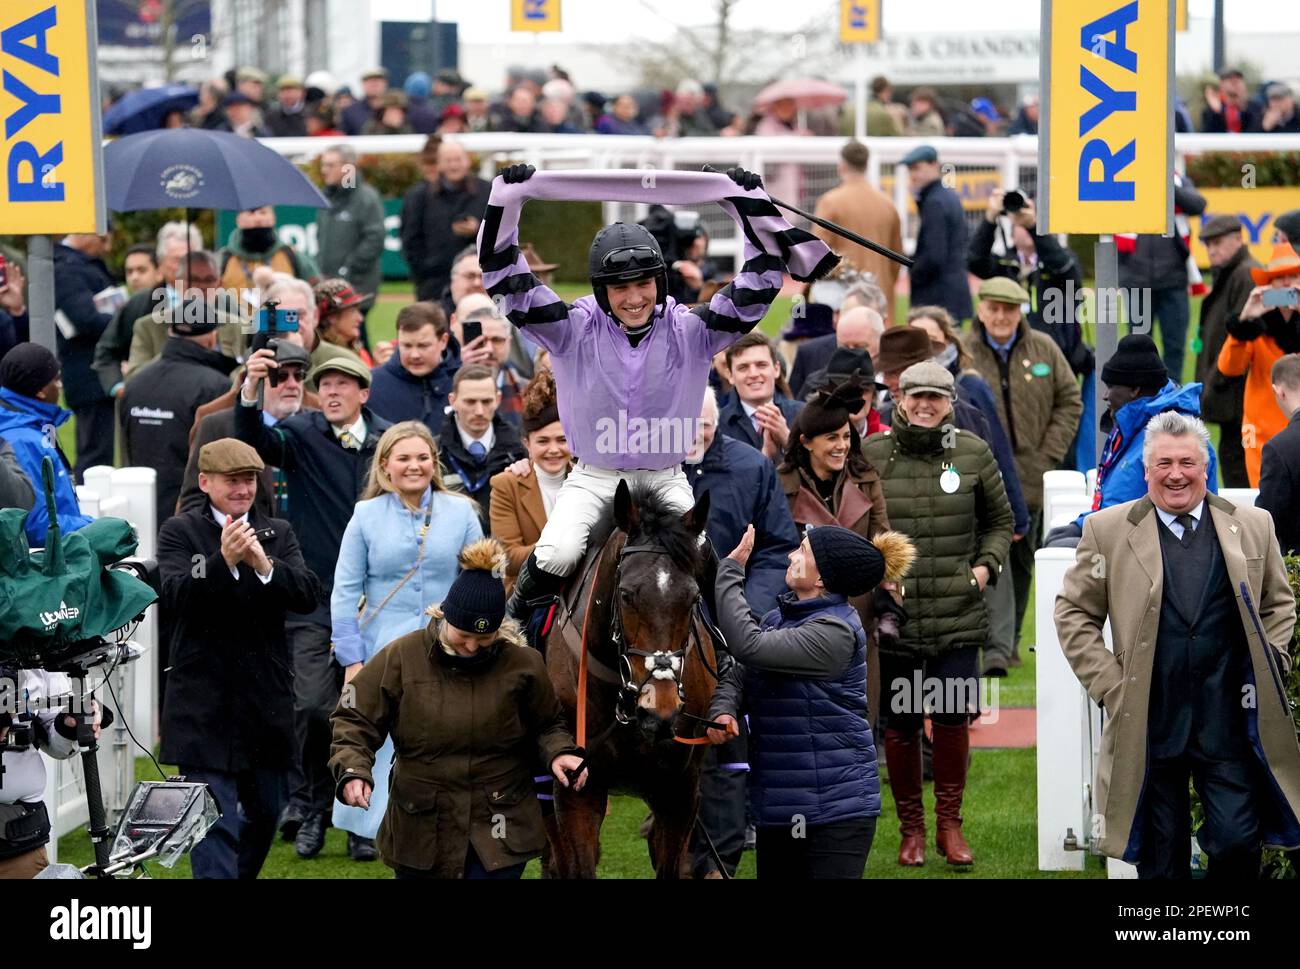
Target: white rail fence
x,y
796,170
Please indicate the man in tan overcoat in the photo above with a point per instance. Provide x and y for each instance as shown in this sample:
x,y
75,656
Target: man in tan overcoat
x,y
1195,683
855,204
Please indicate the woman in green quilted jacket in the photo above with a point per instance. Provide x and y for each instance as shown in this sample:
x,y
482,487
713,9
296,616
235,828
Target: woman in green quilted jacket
x,y
944,491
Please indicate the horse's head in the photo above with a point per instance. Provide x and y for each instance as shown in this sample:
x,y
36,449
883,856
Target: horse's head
x,y
657,588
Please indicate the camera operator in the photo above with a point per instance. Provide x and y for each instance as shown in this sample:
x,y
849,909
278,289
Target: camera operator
x,y
685,244
30,726
1006,244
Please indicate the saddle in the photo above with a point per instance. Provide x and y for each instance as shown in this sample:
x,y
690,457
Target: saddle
x,y
569,609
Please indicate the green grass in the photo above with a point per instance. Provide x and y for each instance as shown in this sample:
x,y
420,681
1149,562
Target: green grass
x,y
1000,812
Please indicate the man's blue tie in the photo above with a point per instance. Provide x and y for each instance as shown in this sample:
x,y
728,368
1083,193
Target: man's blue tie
x,y
477,451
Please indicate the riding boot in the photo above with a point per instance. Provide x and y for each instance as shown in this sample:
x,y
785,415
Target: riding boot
x,y
951,759
533,587
903,758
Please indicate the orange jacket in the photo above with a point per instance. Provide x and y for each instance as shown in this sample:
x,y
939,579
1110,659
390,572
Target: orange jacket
x,y
1261,416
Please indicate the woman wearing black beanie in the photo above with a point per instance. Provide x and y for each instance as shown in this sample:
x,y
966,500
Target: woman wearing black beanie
x,y
801,678
470,708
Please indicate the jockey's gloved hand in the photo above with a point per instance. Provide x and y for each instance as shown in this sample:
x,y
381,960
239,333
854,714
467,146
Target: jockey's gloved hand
x,y
746,180
518,173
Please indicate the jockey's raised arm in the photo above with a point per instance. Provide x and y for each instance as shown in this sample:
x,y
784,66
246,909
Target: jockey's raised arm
x,y
771,245
630,363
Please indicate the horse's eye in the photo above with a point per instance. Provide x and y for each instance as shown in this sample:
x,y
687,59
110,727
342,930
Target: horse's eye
x,y
625,595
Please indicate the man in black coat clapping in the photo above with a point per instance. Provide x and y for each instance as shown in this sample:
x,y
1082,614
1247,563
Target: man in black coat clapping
x,y
230,575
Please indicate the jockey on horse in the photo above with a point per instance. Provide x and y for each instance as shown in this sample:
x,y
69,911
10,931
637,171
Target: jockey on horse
x,y
630,362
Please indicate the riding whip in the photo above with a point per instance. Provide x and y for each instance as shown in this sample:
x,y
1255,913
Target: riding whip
x,y
839,230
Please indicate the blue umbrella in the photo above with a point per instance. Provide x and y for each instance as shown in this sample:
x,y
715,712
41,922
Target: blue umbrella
x,y
196,169
146,109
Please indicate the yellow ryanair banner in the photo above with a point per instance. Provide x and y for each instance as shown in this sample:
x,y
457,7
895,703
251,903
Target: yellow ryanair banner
x,y
1108,149
859,21
537,16
972,187
51,177
1180,16
1256,207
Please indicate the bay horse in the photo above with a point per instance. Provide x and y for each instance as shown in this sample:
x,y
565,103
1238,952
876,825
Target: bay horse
x,y
651,665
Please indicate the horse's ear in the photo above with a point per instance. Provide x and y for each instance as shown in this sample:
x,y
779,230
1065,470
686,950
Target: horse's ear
x,y
625,512
698,517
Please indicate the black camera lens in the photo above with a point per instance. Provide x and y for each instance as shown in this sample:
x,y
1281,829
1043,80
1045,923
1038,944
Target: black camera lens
x,y
1013,201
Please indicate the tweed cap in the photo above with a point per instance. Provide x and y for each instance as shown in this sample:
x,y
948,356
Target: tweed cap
x,y
228,456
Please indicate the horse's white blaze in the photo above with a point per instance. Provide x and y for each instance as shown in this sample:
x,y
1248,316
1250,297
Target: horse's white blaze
x,y
662,578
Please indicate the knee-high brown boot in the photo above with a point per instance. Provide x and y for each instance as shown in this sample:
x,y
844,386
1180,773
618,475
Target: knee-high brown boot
x,y
903,758
951,754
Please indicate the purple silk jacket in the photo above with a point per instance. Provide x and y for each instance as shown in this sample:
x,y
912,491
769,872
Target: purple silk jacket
x,y
630,408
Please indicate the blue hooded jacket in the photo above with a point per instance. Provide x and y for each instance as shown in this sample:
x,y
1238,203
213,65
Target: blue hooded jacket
x,y
29,425
1120,476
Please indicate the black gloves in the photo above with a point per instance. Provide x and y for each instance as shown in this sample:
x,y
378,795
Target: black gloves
x,y
746,180
517,173
1245,329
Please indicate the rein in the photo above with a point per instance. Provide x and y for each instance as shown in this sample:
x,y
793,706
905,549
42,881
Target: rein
x,y
660,664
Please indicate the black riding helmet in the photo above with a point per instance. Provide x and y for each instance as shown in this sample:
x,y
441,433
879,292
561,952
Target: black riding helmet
x,y
623,253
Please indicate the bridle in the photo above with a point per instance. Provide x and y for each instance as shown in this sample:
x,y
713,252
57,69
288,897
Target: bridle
x,y
660,664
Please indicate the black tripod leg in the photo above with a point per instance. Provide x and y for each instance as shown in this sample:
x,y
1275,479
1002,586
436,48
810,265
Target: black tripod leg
x,y
99,832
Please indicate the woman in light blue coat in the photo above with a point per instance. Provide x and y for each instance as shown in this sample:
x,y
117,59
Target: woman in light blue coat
x,y
398,557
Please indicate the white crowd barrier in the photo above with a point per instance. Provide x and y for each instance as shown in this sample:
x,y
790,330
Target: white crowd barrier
x,y
1068,722
795,169
127,493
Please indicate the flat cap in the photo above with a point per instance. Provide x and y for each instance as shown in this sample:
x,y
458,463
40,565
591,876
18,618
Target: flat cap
x,y
350,365
927,378
1001,289
375,72
287,81
228,456
921,153
1220,225
250,74
291,353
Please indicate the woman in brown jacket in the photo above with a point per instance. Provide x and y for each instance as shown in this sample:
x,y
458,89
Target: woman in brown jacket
x,y
523,494
828,481
470,709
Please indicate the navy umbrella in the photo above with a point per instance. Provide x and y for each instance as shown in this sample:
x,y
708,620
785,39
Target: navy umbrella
x,y
196,169
147,108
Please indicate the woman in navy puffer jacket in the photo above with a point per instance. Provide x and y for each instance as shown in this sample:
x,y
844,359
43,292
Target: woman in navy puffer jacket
x,y
801,677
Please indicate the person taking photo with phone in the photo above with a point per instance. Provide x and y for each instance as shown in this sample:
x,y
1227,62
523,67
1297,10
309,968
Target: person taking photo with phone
x,y
1267,329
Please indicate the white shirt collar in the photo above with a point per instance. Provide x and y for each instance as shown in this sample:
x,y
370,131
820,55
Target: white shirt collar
x,y
1169,517
357,430
487,440
220,518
